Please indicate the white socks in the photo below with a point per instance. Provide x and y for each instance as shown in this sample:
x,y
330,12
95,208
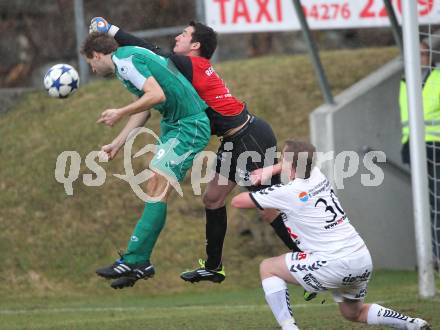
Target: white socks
x,y
277,296
379,315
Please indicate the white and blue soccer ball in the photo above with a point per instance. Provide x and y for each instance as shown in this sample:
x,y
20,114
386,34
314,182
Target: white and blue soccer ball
x,y
61,80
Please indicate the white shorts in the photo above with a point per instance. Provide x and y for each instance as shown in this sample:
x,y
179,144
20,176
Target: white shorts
x,y
346,277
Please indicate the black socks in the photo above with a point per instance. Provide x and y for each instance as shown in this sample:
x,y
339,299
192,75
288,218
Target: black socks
x,y
216,224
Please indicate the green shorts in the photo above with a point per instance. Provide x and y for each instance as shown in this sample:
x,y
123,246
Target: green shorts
x,y
180,142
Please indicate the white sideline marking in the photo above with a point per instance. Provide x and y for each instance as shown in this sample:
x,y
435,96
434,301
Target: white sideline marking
x,y
123,309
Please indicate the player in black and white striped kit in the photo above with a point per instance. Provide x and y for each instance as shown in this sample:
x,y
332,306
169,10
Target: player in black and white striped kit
x,y
335,257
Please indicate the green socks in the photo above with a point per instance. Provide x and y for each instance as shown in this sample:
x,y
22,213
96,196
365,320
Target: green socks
x,y
145,233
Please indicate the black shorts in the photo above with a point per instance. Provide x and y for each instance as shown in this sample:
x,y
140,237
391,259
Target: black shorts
x,y
253,146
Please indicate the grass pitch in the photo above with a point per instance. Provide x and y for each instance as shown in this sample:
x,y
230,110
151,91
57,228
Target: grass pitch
x,y
210,308
51,243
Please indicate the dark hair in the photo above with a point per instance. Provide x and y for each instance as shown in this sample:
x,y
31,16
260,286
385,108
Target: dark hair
x,y
296,148
207,38
98,42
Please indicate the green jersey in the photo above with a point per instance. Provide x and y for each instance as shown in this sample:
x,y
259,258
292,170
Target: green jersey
x,y
134,65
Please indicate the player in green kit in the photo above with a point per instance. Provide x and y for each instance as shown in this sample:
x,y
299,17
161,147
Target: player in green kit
x,y
185,131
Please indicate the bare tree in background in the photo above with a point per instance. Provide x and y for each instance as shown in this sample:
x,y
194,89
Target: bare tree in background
x,y
35,33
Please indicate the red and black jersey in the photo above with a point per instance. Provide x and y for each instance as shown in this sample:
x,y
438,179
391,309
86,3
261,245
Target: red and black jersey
x,y
225,111
212,88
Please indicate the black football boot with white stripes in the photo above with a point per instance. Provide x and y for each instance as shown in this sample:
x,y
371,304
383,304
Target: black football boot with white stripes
x,y
121,269
204,274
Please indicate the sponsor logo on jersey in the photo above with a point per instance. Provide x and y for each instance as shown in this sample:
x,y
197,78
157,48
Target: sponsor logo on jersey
x,y
337,222
210,71
303,196
324,185
320,187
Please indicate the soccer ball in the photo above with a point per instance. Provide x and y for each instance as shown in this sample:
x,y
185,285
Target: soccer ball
x,y
61,80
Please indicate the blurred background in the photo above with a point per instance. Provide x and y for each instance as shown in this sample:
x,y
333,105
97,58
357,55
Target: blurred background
x,y
36,34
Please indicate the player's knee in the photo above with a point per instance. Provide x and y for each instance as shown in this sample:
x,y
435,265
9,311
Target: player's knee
x,y
265,268
212,201
351,314
157,187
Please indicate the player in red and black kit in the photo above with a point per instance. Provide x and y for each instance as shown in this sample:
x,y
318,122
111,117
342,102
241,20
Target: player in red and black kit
x,y
239,132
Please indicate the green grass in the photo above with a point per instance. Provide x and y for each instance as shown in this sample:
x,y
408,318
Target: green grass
x,y
214,308
50,243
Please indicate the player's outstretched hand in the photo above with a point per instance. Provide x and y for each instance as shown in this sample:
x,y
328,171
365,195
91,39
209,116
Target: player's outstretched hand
x,y
99,24
256,176
261,176
109,117
110,150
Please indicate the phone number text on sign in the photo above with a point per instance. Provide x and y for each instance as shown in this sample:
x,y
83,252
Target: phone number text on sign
x,y
357,10
234,16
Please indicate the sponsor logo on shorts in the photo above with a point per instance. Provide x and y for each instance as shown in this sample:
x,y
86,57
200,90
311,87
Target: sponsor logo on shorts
x,y
350,279
304,268
311,281
361,294
299,256
242,174
221,157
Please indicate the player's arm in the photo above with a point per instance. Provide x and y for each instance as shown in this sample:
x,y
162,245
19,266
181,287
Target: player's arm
x,y
134,122
182,62
153,95
273,197
100,24
126,39
263,175
244,200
